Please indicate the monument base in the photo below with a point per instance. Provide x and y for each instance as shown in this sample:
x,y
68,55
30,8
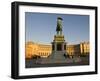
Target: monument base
x,y
55,57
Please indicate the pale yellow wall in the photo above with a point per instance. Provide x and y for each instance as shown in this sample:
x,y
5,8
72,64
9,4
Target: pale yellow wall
x,y
37,49
70,49
82,48
85,48
31,49
43,50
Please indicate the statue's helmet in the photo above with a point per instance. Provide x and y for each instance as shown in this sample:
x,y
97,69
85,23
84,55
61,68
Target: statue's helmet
x,y
59,18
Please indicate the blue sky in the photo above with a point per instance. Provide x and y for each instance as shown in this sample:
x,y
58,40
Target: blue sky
x,y
41,27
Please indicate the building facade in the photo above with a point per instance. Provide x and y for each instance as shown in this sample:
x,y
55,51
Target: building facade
x,y
34,49
84,48
81,49
44,51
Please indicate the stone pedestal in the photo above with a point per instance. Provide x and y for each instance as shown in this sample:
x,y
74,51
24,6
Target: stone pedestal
x,y
58,49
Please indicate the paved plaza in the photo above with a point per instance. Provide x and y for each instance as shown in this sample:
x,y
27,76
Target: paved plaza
x,y
44,62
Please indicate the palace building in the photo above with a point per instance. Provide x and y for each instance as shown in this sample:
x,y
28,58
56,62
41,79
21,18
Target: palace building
x,y
44,51
35,49
81,49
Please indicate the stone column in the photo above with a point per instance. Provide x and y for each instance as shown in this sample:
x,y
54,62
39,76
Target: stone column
x,y
62,46
55,46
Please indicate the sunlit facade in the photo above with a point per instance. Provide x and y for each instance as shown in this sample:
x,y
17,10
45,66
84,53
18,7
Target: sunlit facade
x,y
34,49
84,48
43,50
78,49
